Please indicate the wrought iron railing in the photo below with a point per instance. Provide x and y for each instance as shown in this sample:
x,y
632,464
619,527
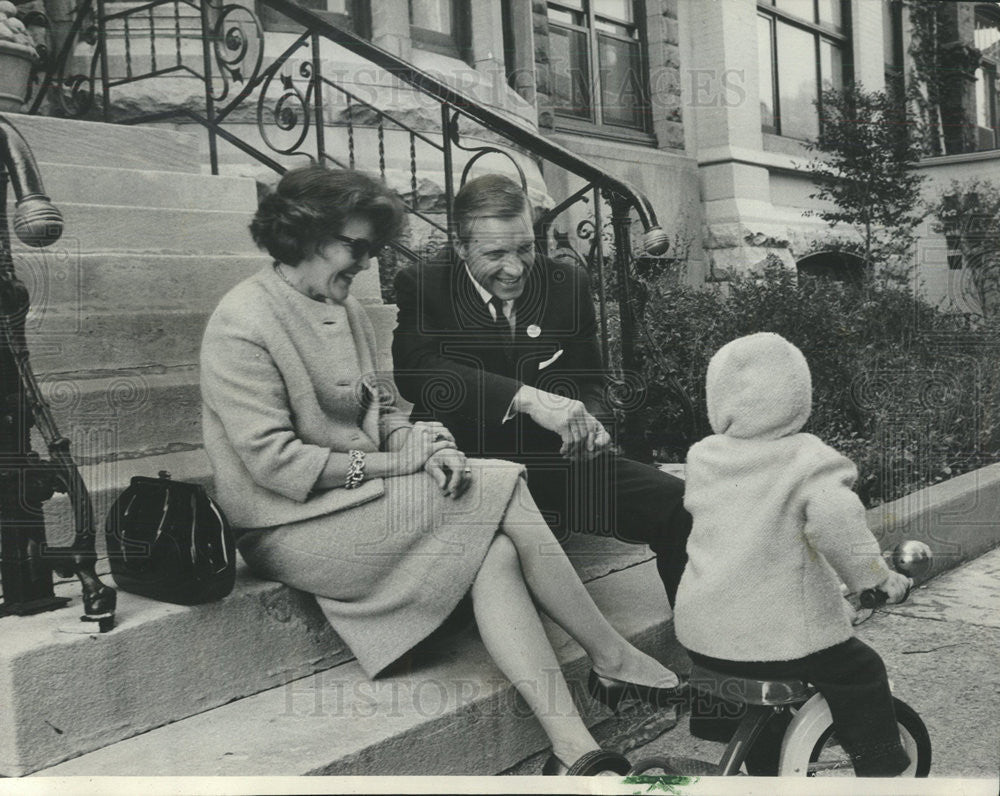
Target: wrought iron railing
x,y
221,46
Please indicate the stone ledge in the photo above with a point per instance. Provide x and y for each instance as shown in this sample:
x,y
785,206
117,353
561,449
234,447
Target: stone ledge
x,y
68,694
85,143
956,517
452,713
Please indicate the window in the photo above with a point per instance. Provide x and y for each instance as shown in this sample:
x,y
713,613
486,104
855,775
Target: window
x,y
441,26
597,66
892,45
803,48
987,41
352,15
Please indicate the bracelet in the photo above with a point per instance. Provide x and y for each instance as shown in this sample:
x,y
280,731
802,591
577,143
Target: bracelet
x,y
356,469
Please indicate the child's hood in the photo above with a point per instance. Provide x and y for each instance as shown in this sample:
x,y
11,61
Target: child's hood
x,y
758,386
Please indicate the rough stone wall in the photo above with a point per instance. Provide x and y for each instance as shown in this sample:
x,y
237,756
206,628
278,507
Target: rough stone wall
x,y
663,48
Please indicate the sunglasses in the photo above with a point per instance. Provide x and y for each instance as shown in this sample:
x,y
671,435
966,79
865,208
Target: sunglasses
x,y
360,247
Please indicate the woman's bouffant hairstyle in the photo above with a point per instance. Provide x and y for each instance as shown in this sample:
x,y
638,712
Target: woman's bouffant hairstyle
x,y
489,196
311,203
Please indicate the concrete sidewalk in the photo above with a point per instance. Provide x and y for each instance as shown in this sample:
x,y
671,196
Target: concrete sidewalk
x,y
940,648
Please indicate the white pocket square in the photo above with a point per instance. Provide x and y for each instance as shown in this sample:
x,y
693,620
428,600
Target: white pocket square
x,y
550,360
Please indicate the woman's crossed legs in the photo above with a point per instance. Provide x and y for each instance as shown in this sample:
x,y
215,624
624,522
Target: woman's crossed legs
x,y
524,561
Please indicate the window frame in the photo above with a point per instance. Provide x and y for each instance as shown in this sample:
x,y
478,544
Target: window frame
x,y
989,68
358,21
457,44
596,126
819,32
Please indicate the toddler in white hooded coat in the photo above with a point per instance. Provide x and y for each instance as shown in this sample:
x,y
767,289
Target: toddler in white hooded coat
x,y
776,528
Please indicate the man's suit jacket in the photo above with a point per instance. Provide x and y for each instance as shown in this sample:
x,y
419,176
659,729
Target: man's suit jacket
x,y
455,366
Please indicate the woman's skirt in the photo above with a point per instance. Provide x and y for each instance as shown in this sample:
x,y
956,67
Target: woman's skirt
x,y
387,573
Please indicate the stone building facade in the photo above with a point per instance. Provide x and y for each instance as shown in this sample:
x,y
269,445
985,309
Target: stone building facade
x,y
704,105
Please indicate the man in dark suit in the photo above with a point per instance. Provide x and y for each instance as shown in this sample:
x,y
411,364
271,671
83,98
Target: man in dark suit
x,y
500,345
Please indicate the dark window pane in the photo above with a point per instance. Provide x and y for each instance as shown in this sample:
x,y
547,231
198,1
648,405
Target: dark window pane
x,y
797,81
889,51
765,61
433,15
622,97
570,71
801,8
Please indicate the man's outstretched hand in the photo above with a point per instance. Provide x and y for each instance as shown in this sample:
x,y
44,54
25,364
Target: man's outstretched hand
x,y
583,436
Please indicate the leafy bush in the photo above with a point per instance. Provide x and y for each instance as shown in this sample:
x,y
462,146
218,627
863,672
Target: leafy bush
x,y
909,393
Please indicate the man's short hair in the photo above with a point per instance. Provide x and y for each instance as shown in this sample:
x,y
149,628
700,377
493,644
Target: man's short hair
x,y
489,196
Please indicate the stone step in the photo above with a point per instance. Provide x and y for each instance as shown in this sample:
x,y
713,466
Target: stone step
x,y
118,228
68,694
127,411
95,340
452,713
114,185
63,342
122,281
55,140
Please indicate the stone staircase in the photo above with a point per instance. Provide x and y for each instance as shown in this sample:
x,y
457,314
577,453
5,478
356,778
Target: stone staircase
x,y
118,306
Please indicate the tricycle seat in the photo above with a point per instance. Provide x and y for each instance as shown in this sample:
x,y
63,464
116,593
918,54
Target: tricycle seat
x,y
745,690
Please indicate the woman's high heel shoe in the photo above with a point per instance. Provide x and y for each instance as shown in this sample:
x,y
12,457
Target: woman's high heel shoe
x,y
613,692
590,765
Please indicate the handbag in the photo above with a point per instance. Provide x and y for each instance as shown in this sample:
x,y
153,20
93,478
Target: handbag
x,y
168,540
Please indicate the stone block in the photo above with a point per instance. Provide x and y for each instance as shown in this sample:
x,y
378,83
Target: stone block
x,y
451,713
670,31
89,144
126,227
669,133
66,694
668,8
146,187
957,518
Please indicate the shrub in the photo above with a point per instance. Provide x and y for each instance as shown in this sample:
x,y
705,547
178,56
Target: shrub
x,y
911,394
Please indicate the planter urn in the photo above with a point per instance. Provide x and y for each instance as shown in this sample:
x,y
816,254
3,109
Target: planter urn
x,y
17,56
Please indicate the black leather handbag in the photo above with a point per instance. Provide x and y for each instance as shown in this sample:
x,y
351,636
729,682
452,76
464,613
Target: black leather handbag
x,y
168,540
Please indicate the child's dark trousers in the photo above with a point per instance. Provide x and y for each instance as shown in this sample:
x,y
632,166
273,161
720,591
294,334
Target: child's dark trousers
x,y
852,679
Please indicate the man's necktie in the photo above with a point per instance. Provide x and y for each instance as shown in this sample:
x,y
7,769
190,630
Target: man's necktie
x,y
500,323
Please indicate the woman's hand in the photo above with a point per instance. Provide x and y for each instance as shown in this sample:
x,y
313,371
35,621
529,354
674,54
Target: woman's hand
x,y
423,441
450,469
